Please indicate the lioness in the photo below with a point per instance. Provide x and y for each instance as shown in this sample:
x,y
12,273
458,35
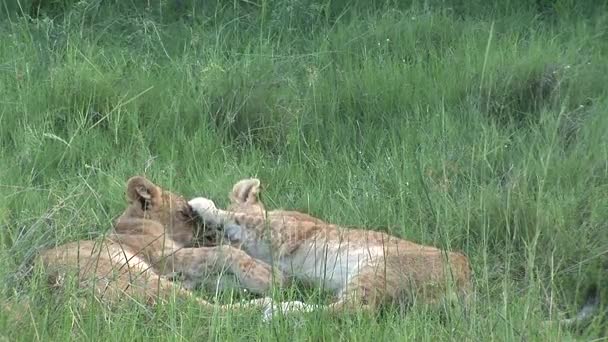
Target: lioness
x,y
363,268
151,241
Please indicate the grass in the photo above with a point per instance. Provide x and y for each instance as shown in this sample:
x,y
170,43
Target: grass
x,y
468,125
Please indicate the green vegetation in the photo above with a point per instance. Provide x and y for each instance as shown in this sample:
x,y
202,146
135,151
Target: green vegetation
x,y
474,125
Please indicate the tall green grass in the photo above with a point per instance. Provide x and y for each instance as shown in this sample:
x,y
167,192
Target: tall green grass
x,y
468,125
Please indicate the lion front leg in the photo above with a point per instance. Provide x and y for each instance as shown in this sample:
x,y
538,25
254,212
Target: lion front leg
x,y
168,289
197,264
234,225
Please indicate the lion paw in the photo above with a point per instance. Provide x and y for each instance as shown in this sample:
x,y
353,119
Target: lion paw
x,y
285,307
202,204
205,209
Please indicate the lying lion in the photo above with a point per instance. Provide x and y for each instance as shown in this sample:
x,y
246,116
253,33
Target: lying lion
x,y
150,243
365,269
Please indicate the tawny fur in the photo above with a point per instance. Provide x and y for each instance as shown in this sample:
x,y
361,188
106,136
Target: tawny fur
x,y
364,269
150,242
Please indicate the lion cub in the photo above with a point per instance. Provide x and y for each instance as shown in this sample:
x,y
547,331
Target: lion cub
x,y
364,269
150,242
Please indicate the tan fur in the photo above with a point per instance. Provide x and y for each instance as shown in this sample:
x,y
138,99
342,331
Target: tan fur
x,y
365,269
150,242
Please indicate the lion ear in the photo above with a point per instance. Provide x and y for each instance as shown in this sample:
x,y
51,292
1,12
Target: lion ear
x,y
141,190
246,191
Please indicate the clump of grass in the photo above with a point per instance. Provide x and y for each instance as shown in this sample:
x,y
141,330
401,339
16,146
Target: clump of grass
x,y
519,99
250,102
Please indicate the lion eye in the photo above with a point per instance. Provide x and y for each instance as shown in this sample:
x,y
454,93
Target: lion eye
x,y
185,213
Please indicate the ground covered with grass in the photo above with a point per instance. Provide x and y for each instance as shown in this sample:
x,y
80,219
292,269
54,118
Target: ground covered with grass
x,y
470,125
